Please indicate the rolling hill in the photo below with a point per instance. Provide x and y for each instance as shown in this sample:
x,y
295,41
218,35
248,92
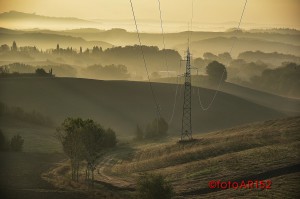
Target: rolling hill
x,y
27,20
46,40
258,151
219,45
123,104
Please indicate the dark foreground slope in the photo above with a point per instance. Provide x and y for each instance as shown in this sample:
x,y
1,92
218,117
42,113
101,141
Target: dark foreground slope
x,y
123,104
20,177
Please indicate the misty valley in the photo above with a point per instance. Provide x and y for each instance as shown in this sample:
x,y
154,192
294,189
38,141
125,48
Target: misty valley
x,y
87,112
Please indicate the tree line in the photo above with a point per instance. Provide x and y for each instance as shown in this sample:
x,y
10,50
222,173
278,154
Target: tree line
x,y
14,114
15,144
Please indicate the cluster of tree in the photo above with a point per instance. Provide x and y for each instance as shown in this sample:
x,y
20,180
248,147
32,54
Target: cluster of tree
x,y
156,129
14,114
19,69
129,56
274,58
14,144
14,48
84,140
224,58
151,186
67,51
284,80
239,69
106,72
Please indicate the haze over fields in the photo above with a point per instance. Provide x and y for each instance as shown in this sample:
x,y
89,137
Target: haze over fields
x,y
94,98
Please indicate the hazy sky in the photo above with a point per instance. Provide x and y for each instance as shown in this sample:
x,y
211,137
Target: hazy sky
x,y
269,12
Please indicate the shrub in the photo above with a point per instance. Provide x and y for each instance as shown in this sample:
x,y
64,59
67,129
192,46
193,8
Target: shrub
x,y
16,143
152,186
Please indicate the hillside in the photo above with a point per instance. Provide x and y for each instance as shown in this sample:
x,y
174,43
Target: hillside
x,y
46,40
223,44
123,37
288,106
258,151
215,42
26,20
123,104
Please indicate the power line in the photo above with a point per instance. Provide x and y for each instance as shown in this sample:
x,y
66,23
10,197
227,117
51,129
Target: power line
x,y
163,36
220,82
145,64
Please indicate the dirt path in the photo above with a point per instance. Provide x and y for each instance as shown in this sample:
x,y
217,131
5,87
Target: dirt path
x,y
113,181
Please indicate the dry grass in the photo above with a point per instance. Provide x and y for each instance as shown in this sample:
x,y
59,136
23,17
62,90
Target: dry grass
x,y
230,154
212,145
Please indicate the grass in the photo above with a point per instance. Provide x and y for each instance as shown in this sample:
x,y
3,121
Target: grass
x,y
249,151
257,151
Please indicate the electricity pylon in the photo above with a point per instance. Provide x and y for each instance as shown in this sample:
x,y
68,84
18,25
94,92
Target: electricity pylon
x,y
186,133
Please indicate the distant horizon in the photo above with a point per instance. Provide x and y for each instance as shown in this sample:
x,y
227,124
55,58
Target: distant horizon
x,y
146,25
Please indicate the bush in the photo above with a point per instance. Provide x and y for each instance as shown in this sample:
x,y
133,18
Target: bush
x,y
152,186
16,143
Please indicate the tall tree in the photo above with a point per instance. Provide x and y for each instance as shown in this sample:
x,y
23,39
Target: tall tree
x,y
14,46
216,72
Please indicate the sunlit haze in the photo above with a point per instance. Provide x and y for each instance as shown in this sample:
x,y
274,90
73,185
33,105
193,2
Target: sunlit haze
x,y
212,15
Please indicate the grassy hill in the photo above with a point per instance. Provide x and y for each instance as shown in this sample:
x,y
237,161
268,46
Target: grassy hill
x,y
288,106
257,151
123,104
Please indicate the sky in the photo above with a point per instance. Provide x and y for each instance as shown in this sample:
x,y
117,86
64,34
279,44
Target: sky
x,y
269,13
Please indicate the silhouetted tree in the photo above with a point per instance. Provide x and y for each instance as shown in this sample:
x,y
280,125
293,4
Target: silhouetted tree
x,y
70,135
41,72
4,48
14,47
216,72
16,143
84,140
150,186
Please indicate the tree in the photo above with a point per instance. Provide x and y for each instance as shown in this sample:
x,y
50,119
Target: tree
x,y
158,128
70,135
139,134
14,47
16,143
216,72
152,186
210,56
84,140
4,48
225,57
41,72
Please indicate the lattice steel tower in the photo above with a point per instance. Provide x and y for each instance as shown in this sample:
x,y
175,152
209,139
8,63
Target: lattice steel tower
x,y
186,133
